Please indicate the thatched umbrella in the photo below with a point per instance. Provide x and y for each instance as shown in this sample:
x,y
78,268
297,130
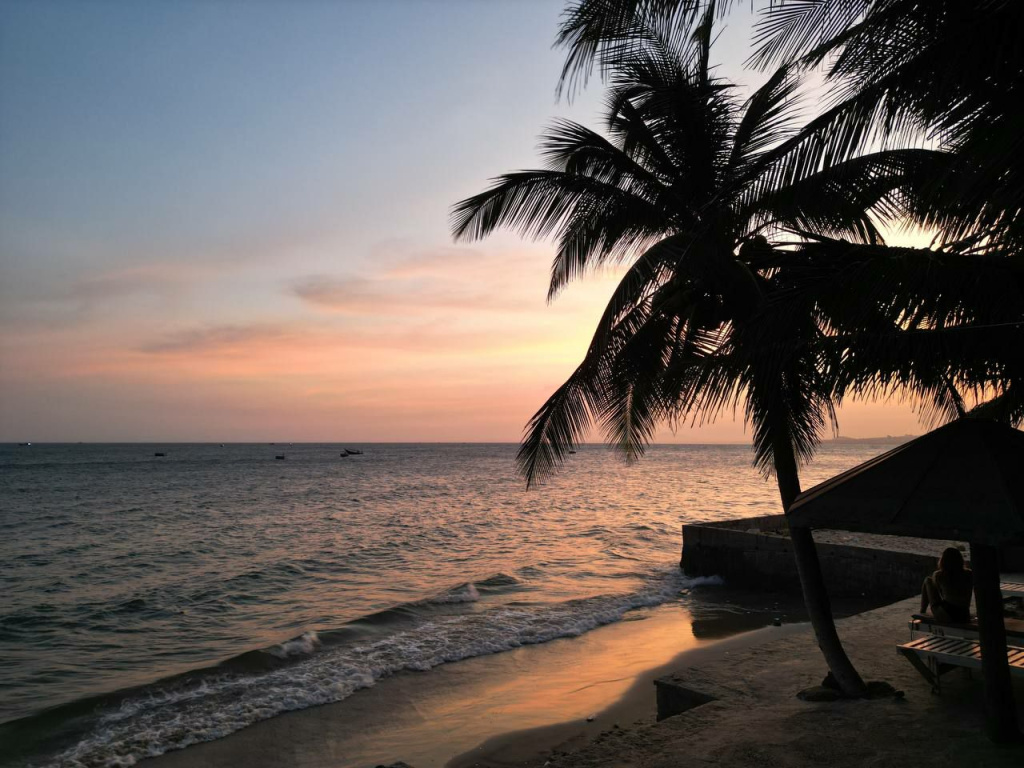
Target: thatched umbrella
x,y
963,481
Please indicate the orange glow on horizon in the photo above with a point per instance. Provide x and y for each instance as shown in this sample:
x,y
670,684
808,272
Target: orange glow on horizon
x,y
450,344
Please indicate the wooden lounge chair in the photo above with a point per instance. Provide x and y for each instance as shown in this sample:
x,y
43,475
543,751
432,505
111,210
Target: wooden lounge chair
x,y
935,655
1012,588
925,623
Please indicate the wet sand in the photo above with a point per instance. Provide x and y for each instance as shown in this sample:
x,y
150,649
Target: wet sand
x,y
427,718
589,702
756,719
634,709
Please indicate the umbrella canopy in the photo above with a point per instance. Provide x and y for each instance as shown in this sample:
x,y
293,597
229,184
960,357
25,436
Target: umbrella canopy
x,y
962,481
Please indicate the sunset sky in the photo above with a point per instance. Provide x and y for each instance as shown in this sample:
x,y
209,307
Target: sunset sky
x,y
228,221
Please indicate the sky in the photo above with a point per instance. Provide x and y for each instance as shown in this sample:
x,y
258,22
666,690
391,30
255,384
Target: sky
x,y
228,221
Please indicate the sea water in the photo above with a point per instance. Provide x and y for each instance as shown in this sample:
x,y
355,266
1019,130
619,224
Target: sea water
x,y
148,602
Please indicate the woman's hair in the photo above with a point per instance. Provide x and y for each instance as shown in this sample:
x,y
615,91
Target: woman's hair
x,y
952,560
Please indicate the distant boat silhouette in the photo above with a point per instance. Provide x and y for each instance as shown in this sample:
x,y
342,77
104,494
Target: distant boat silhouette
x,y
24,443
280,457
350,452
343,455
572,451
159,454
222,445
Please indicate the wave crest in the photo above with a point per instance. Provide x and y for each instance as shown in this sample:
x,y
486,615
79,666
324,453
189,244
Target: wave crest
x,y
303,645
176,717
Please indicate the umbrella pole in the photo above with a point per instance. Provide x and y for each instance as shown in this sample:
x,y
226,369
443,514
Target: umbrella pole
x,y
995,669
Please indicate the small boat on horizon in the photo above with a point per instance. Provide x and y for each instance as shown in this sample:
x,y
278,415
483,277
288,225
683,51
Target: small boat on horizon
x,y
159,455
26,444
280,457
350,452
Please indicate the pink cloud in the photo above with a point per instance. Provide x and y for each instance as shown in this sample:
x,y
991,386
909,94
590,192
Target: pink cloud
x,y
362,296
215,338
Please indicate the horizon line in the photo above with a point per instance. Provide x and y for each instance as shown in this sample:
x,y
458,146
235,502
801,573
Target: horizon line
x,y
29,443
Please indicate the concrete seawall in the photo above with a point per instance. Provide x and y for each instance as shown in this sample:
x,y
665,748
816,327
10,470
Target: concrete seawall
x,y
756,552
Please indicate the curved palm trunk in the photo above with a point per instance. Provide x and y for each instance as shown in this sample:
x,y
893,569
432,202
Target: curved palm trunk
x,y
995,669
812,583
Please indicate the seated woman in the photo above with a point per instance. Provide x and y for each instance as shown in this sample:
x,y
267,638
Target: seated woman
x,y
948,591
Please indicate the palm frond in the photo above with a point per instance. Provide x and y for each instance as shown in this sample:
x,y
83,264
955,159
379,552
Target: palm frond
x,y
789,28
634,401
568,413
602,32
573,148
1007,406
541,204
845,199
904,72
559,425
768,118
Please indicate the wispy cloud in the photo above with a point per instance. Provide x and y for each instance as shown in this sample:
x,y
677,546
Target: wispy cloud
x,y
451,262
379,296
265,345
91,297
216,338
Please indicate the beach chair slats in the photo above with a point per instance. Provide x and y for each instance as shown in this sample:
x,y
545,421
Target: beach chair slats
x,y
941,644
934,655
936,648
967,631
1011,588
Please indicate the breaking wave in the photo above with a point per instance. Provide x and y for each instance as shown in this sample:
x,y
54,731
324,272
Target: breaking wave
x,y
315,669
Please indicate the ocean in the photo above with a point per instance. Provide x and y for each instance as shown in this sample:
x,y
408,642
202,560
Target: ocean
x,y
155,596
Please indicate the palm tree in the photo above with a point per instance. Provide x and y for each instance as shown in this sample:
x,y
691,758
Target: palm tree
x,y
952,72
902,73
926,323
709,314
938,323
948,71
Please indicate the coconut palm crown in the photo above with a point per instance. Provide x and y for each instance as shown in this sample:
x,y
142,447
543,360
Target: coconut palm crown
x,y
686,188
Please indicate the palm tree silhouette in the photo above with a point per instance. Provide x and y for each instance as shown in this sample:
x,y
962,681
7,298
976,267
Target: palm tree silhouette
x,y
927,323
709,314
949,72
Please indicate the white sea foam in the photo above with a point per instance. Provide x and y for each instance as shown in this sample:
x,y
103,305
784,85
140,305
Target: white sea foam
x,y
465,594
163,720
702,581
303,645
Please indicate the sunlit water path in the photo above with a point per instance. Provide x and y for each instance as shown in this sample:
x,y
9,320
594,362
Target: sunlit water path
x,y
223,586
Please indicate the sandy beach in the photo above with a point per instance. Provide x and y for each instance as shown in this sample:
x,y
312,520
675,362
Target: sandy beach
x,y
589,702
757,720
427,718
514,707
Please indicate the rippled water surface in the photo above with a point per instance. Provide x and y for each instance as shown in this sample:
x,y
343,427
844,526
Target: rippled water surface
x,y
224,586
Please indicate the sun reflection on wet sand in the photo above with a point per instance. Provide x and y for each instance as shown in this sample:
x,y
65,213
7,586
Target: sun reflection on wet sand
x,y
427,719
